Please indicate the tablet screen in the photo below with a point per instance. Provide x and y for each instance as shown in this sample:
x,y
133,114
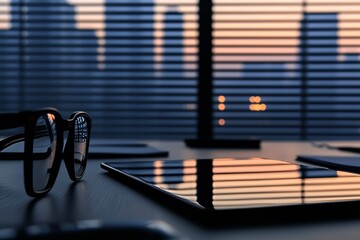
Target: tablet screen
x,y
230,183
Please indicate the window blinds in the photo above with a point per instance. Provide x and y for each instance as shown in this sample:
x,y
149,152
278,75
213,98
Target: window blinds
x,y
130,64
286,69
273,69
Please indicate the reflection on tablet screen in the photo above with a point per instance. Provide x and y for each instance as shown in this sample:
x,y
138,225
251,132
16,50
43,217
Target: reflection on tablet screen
x,y
228,183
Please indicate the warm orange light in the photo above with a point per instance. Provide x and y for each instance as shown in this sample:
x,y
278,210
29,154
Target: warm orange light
x,y
189,163
221,122
158,179
158,164
221,107
221,98
257,99
257,107
263,107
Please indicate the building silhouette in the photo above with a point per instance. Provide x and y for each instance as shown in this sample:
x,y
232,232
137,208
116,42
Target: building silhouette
x,y
321,71
58,57
172,60
129,63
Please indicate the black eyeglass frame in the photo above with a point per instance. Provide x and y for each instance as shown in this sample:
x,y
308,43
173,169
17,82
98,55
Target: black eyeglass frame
x,y
27,119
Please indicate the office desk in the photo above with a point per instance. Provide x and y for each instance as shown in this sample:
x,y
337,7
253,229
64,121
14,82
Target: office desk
x,y
100,197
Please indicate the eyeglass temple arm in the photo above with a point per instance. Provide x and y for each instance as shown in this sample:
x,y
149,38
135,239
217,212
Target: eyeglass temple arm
x,y
20,155
6,142
7,121
15,120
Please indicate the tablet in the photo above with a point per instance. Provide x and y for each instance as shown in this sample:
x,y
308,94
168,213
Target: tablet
x,y
342,163
222,191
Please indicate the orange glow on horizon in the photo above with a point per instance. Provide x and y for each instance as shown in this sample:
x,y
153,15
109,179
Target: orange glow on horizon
x,y
282,31
275,34
5,17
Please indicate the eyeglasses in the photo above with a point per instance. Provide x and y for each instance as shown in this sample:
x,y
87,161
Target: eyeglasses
x,y
44,146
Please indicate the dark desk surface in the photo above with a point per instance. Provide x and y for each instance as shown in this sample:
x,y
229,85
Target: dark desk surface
x,y
100,197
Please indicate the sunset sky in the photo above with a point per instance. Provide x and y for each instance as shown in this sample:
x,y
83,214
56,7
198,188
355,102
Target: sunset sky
x,y
232,18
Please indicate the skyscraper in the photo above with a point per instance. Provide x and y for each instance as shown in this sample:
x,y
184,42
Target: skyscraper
x,y
321,72
129,74
58,57
172,59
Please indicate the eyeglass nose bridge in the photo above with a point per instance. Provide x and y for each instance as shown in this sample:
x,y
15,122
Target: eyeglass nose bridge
x,y
67,124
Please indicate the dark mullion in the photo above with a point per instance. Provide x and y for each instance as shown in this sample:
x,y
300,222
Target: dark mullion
x,y
21,62
303,49
205,78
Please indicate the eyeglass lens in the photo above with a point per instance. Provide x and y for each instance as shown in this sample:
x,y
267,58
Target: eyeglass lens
x,y
81,136
44,148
